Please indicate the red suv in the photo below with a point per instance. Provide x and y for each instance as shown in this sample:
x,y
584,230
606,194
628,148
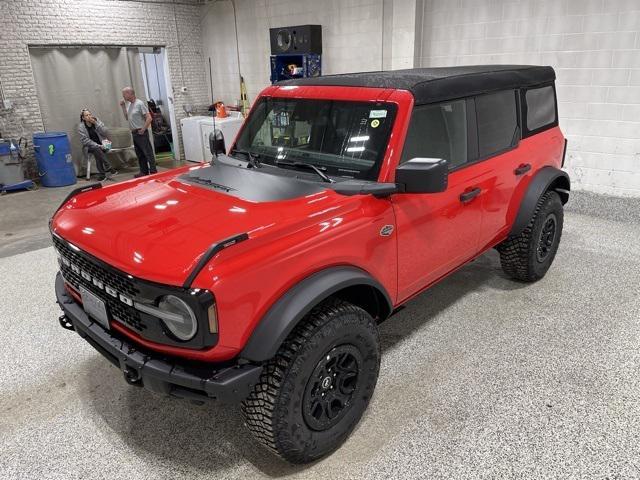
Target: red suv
x,y
261,277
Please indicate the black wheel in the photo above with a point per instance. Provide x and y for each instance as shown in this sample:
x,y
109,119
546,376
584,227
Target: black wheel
x,y
313,393
528,256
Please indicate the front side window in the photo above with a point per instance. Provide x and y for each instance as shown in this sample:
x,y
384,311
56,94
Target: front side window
x,y
497,117
341,138
541,107
438,131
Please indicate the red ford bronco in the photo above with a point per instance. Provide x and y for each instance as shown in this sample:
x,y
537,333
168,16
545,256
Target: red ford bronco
x,y
261,277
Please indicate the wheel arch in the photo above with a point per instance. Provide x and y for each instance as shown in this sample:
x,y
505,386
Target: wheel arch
x,y
348,283
548,178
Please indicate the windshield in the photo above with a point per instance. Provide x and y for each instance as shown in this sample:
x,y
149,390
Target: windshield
x,y
346,139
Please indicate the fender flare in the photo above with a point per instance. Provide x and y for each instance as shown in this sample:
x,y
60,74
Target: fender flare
x,y
548,178
283,316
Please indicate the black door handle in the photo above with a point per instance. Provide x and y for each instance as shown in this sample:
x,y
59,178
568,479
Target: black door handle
x,y
522,169
470,195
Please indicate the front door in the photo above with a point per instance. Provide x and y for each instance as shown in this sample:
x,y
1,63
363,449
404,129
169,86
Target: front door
x,y
438,232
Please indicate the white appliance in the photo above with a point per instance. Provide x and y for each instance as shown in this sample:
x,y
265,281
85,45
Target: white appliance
x,y
192,138
229,126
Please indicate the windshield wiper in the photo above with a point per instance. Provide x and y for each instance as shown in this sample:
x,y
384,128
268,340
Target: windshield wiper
x,y
306,166
253,157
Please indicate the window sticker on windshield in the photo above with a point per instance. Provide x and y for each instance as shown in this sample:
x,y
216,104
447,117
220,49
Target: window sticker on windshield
x,y
375,123
378,114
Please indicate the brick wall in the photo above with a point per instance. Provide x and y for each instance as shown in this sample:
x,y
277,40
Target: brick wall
x,y
594,45
96,22
352,32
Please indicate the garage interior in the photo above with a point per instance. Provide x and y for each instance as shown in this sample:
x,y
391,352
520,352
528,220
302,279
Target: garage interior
x,y
481,377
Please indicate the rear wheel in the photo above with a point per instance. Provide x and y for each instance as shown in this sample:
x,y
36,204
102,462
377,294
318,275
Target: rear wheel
x,y
528,256
313,393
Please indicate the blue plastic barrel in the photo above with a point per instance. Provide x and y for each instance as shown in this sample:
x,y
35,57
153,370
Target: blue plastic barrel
x,y
53,156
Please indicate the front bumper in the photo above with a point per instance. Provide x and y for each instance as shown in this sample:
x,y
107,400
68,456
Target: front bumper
x,y
229,384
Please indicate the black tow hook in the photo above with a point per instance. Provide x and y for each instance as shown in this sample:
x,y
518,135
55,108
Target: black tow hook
x,y
131,376
65,322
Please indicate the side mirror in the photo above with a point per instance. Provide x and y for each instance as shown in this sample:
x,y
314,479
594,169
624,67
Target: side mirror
x,y
423,175
216,142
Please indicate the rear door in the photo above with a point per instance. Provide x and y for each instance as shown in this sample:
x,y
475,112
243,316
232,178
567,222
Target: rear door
x,y
542,141
501,164
517,135
438,232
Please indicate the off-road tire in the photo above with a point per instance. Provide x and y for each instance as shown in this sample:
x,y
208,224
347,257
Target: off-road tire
x,y
276,412
520,256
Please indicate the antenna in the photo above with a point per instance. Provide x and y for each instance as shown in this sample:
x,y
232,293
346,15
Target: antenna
x,y
213,112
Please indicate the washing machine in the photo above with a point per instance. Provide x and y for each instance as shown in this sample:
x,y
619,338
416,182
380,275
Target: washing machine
x,y
192,138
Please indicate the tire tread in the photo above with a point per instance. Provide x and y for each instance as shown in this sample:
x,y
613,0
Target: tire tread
x,y
516,251
259,408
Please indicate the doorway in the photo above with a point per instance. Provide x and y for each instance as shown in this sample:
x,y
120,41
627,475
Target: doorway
x,y
159,92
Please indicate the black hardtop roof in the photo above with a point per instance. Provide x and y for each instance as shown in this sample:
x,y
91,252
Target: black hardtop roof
x,y
436,84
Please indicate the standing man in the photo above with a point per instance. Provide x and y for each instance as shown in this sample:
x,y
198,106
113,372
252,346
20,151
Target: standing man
x,y
92,135
137,113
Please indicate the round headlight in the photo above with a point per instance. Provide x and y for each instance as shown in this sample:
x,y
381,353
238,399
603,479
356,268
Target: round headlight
x,y
181,320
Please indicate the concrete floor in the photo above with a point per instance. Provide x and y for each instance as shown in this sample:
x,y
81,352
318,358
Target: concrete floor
x,y
481,378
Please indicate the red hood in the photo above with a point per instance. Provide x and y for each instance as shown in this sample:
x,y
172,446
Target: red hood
x,y
157,229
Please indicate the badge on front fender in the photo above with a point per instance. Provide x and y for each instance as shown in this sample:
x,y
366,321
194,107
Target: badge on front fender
x,y
386,230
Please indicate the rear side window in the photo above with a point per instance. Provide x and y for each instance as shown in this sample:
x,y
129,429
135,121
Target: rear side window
x,y
438,131
540,107
497,118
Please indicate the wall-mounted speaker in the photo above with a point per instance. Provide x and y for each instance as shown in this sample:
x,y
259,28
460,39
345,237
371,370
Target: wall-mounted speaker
x,y
301,39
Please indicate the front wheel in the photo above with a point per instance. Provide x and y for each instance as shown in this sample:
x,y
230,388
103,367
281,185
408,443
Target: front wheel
x,y
313,393
528,256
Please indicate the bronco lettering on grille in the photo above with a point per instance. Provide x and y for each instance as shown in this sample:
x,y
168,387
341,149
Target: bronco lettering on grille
x,y
94,280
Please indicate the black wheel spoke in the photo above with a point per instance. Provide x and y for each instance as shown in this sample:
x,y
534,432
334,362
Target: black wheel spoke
x,y
348,383
347,364
334,407
318,410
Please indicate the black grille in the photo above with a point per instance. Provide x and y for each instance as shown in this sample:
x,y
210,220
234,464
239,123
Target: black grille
x,y
120,283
